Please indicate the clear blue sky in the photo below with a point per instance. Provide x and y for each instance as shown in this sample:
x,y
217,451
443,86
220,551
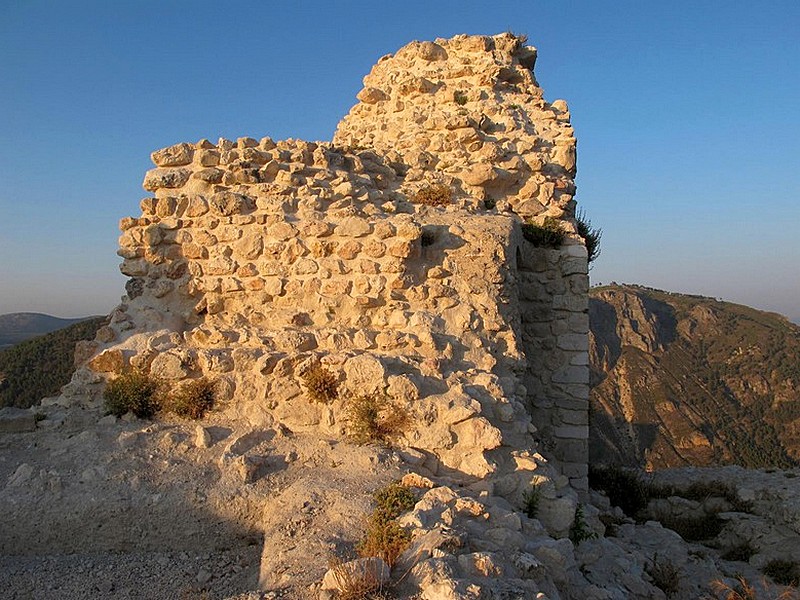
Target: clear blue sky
x,y
687,116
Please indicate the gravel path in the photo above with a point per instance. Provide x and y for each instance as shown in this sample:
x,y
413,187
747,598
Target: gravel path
x,y
131,576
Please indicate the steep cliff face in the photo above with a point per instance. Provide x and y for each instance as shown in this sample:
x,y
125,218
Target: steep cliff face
x,y
686,380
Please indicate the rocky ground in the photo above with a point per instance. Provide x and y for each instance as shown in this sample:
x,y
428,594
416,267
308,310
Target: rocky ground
x,y
137,509
94,506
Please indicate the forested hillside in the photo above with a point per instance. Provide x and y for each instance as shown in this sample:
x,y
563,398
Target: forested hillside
x,y
37,368
689,380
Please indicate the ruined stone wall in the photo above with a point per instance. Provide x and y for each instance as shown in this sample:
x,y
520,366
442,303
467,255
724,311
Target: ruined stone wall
x,y
254,260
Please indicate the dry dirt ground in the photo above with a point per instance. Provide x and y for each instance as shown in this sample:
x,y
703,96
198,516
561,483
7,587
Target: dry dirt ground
x,y
98,507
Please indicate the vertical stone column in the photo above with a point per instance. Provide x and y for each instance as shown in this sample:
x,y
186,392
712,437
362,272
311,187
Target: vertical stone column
x,y
554,304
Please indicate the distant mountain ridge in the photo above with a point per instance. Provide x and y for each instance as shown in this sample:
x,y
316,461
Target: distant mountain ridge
x,y
18,327
689,380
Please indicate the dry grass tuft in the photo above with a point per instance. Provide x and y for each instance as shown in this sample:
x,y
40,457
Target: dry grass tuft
x,y
374,418
193,399
365,584
321,384
434,195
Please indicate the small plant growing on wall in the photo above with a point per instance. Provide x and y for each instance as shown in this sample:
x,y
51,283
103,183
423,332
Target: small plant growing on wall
x,y
321,384
193,399
375,418
133,391
530,501
460,97
591,235
384,537
580,531
550,234
434,195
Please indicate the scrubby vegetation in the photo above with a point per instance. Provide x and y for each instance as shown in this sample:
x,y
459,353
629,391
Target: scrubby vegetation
x,y
579,531
743,590
362,585
40,367
731,367
434,195
784,572
384,537
133,391
321,385
375,418
193,399
460,97
530,501
664,575
591,235
624,488
550,234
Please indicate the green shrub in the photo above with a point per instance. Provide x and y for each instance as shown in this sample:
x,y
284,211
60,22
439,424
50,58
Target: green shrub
x,y
741,552
591,235
695,529
374,418
530,501
321,384
384,537
665,575
550,234
193,399
434,195
784,572
394,499
580,531
460,97
132,391
624,488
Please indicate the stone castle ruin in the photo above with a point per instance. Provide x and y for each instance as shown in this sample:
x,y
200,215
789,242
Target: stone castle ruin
x,y
394,256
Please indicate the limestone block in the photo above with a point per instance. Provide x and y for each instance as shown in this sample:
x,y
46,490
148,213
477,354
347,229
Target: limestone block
x,y
229,203
209,175
408,230
405,248
195,251
215,361
196,207
249,246
134,267
173,156
306,266
370,95
573,341
364,374
353,227
292,340
220,265
479,433
575,432
479,174
383,230
374,248
349,249
165,178
571,374
167,365
315,229
282,231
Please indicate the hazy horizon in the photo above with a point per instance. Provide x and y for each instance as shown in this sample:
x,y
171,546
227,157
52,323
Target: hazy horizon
x,y
686,118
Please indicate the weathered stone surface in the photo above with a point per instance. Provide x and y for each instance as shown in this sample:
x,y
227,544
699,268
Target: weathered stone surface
x,y
174,156
16,420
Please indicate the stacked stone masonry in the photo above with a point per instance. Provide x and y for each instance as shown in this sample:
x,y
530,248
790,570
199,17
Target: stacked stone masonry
x,y
253,260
